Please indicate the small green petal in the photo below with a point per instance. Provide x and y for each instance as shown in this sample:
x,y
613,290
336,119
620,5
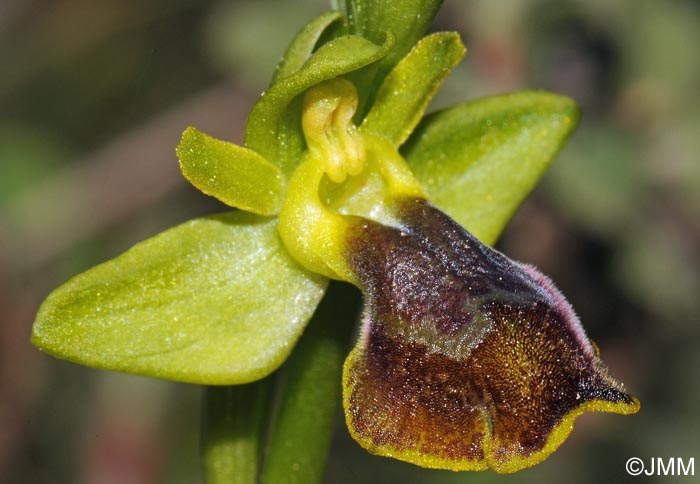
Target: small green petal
x,y
274,124
479,160
213,301
237,176
408,88
303,45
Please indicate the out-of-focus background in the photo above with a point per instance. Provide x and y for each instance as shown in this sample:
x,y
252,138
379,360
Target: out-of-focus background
x,y
95,93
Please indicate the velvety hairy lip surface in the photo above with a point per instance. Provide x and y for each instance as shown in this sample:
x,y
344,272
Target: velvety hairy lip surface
x,y
467,359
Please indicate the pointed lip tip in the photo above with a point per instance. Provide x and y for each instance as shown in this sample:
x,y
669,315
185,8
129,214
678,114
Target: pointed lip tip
x,y
624,403
633,406
628,406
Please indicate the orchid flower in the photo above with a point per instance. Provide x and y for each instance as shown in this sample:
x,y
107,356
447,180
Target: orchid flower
x,y
465,359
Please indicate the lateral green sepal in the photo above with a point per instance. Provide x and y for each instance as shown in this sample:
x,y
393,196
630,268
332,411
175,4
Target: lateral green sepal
x,y
214,301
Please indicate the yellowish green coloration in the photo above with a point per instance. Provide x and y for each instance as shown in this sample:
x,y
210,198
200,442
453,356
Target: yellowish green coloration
x,y
397,110
314,234
237,176
481,183
454,333
406,19
330,135
273,128
196,298
302,47
559,435
234,443
466,360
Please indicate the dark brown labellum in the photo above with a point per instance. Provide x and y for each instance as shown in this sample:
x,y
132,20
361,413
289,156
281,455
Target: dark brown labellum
x,y
467,359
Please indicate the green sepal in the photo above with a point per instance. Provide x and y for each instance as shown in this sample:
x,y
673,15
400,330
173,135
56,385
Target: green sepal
x,y
237,176
406,19
406,91
479,160
303,45
215,300
274,125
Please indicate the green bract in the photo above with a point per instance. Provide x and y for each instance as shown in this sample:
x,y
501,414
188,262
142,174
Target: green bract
x,y
220,300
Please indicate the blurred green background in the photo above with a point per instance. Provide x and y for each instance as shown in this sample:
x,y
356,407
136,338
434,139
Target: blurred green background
x,y
94,95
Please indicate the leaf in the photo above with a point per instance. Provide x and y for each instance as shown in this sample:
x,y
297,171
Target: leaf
x,y
216,300
407,20
301,48
237,176
407,90
479,160
274,124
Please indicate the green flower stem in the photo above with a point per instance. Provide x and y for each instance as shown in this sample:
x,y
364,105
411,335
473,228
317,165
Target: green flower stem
x,y
233,426
310,393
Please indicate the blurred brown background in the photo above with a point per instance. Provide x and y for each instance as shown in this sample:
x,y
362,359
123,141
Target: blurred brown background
x,y
94,95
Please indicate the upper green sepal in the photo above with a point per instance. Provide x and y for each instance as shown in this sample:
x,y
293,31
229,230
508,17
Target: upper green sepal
x,y
303,45
274,124
237,176
406,19
480,159
216,300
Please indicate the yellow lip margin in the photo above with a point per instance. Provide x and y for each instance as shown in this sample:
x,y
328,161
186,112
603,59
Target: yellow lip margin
x,y
513,464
